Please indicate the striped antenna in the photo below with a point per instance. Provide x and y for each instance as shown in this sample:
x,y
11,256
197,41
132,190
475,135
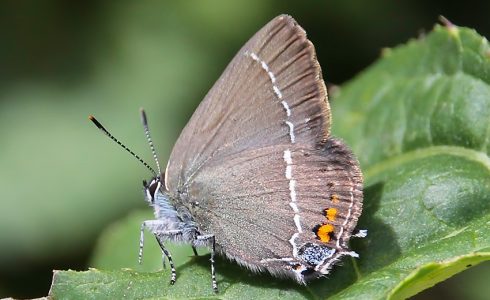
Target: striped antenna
x,y
144,120
106,132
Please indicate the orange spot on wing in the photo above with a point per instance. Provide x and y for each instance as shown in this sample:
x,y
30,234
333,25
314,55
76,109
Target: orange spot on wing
x,y
334,198
325,232
331,214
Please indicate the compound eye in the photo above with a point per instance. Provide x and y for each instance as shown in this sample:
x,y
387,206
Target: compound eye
x,y
151,188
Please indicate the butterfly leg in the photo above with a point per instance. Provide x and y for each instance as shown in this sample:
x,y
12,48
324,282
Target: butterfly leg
x,y
209,240
153,226
157,227
166,253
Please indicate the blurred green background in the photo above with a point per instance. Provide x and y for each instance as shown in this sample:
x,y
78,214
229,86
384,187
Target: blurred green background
x,y
62,182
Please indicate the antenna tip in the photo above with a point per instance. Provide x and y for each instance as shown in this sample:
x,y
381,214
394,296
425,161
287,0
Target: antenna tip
x,y
94,120
143,117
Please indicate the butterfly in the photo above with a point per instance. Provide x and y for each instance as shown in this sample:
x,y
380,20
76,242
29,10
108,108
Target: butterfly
x,y
255,175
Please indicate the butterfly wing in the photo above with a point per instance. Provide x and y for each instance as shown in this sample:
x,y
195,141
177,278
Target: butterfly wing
x,y
270,93
256,166
264,205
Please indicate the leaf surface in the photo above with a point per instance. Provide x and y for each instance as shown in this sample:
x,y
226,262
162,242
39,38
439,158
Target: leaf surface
x,y
419,121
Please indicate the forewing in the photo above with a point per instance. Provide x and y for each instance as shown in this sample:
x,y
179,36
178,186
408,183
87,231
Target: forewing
x,y
272,92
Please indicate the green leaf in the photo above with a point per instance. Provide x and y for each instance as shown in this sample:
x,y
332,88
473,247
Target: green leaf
x,y
419,121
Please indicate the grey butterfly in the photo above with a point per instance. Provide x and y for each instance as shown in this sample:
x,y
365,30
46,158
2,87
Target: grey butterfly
x,y
255,175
